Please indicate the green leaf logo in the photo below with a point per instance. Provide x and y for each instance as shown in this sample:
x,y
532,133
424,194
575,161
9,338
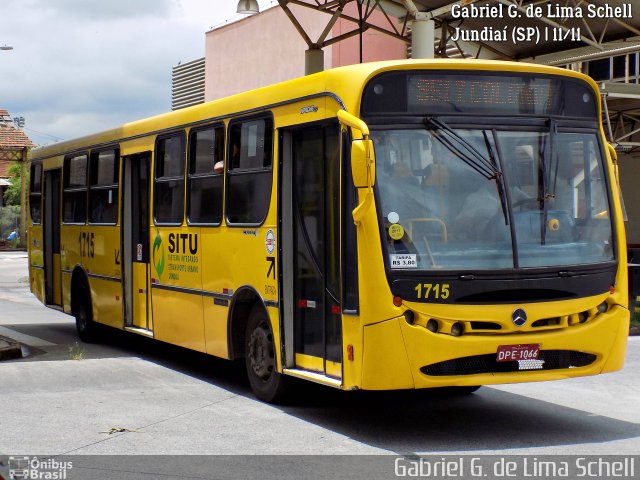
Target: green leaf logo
x,y
158,263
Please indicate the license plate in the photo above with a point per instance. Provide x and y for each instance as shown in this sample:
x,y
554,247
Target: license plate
x,y
512,353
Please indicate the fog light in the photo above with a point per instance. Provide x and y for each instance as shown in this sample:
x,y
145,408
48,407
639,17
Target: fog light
x,y
457,329
432,325
409,316
603,307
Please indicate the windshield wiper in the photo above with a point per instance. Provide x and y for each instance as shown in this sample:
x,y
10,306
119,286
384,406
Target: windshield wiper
x,y
463,149
546,171
499,178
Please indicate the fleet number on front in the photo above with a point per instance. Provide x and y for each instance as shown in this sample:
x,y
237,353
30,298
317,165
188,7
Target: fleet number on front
x,y
438,291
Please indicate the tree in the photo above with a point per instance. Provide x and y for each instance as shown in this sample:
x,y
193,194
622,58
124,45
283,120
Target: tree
x,y
12,194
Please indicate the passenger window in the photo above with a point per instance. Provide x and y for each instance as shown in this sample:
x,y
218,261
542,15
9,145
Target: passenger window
x,y
103,187
206,175
35,193
75,190
250,152
168,195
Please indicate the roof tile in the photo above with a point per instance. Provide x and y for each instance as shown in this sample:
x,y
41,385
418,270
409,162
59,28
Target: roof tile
x,y
13,139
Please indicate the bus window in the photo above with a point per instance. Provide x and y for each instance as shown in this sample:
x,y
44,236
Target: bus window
x,y
103,187
206,180
75,189
168,195
249,168
35,193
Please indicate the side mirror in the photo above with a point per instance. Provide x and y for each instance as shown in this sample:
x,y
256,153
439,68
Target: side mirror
x,y
363,165
612,152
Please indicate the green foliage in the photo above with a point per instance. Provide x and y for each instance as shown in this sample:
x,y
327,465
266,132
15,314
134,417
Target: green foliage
x,y
9,220
12,194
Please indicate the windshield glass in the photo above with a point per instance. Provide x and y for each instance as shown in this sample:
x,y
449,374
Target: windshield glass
x,y
449,199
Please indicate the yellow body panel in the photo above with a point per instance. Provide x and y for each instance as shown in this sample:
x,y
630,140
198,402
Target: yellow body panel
x,y
36,262
140,291
177,319
57,287
195,273
410,347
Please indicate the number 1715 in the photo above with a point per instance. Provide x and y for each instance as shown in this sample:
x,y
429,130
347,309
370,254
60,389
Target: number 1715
x,y
438,291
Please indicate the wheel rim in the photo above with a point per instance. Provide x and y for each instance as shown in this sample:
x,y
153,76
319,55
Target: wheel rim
x,y
261,354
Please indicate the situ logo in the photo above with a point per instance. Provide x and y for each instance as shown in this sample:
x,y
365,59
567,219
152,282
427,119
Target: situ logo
x,y
34,468
157,254
179,245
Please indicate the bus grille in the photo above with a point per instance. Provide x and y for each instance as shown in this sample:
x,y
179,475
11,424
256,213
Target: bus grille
x,y
547,360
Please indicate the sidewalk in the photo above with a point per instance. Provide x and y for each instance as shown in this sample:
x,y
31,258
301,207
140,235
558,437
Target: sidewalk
x,y
12,275
9,349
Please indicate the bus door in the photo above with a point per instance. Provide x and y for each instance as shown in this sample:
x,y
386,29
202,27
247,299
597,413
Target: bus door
x,y
135,242
51,237
311,253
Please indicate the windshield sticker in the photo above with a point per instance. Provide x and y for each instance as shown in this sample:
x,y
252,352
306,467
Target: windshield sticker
x,y
396,231
393,217
407,260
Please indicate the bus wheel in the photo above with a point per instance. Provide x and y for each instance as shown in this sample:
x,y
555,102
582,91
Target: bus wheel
x,y
260,357
455,391
87,328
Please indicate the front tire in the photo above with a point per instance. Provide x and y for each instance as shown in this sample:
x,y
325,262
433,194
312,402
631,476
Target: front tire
x,y
260,358
86,327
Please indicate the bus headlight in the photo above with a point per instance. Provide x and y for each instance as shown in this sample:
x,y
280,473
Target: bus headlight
x,y
432,325
409,316
457,329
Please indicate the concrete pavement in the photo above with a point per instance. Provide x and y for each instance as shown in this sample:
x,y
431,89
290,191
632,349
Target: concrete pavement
x,y
9,349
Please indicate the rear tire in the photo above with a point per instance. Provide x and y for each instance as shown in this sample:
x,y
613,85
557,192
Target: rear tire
x,y
260,358
456,391
88,330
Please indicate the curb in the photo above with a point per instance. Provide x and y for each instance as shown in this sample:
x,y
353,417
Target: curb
x,y
9,349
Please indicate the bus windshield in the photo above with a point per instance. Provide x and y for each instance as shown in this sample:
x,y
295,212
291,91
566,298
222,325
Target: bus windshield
x,y
486,198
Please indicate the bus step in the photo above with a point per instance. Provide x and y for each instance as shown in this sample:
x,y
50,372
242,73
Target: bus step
x,y
314,377
140,331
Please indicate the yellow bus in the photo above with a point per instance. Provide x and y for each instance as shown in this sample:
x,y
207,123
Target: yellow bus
x,y
394,225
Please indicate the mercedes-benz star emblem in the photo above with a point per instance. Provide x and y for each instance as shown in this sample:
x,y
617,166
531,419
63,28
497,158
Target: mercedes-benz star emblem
x,y
519,317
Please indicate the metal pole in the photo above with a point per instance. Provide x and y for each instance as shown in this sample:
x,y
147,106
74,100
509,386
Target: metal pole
x,y
423,35
313,60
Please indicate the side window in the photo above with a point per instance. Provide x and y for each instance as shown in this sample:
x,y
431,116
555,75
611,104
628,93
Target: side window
x,y
103,187
75,189
206,175
168,193
35,193
250,152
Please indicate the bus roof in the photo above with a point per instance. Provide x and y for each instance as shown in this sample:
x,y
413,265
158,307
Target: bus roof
x,y
338,81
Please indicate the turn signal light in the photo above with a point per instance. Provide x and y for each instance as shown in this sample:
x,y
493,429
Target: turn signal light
x,y
350,353
397,301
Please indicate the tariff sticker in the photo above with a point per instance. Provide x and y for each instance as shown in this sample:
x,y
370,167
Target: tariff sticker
x,y
403,261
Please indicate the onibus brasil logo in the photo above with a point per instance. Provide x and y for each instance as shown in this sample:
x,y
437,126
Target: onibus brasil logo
x,y
35,468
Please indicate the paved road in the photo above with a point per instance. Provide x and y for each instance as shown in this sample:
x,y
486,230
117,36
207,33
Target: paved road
x,y
134,396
